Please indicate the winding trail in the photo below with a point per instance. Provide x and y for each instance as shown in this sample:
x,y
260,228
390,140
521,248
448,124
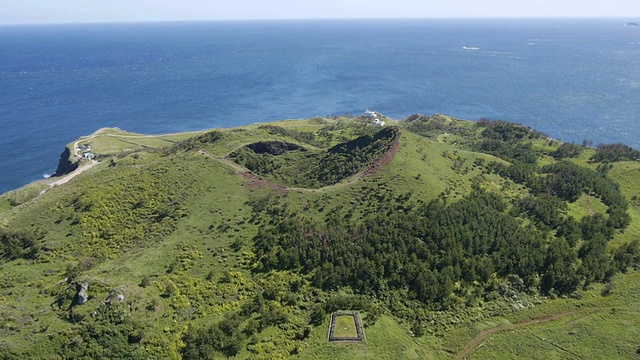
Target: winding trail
x,y
475,342
81,168
65,179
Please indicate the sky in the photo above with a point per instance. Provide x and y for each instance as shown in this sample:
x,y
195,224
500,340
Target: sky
x,y
90,11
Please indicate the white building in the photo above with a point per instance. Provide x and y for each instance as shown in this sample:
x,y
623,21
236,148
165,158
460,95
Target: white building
x,y
370,114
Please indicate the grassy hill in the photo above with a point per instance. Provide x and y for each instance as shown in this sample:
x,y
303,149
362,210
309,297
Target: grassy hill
x,y
451,238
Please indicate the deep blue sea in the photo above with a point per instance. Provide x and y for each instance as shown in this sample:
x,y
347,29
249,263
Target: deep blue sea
x,y
572,79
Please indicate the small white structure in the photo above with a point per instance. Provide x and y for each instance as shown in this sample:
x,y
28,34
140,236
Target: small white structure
x,y
370,114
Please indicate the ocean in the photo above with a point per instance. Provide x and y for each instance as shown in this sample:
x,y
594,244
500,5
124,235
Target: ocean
x,y
574,80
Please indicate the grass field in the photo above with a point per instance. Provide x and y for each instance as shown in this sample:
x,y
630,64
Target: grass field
x,y
4,204
345,327
386,339
194,272
601,325
111,140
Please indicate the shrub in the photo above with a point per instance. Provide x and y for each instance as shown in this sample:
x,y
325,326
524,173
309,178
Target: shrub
x,y
19,245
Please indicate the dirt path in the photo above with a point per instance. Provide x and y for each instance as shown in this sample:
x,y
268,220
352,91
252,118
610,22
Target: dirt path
x,y
82,168
76,153
475,342
123,135
65,179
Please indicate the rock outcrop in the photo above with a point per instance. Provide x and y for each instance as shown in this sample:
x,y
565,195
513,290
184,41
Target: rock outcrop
x,y
114,295
66,164
82,296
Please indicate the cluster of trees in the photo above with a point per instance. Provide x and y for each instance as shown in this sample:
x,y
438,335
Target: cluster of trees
x,y
491,135
109,333
568,181
506,131
567,150
438,251
224,337
615,152
510,151
545,210
507,141
627,255
586,240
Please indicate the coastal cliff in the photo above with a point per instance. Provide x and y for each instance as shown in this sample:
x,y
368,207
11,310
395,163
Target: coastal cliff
x,y
66,164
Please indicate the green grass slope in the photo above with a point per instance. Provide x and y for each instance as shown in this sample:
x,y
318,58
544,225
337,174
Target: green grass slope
x,y
603,325
241,242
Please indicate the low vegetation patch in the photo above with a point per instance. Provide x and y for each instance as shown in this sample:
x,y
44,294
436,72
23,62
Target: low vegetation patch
x,y
346,326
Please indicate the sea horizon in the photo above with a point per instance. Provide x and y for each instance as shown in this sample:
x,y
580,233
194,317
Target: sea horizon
x,y
625,19
574,79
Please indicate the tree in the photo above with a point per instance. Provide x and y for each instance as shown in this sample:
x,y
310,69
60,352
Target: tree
x,y
317,316
560,268
417,328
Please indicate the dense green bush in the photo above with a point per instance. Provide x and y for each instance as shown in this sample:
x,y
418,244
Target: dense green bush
x,y
568,150
196,142
19,244
510,151
507,131
225,337
615,152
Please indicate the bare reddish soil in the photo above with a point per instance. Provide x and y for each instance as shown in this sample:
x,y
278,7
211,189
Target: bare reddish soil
x,y
386,158
254,182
